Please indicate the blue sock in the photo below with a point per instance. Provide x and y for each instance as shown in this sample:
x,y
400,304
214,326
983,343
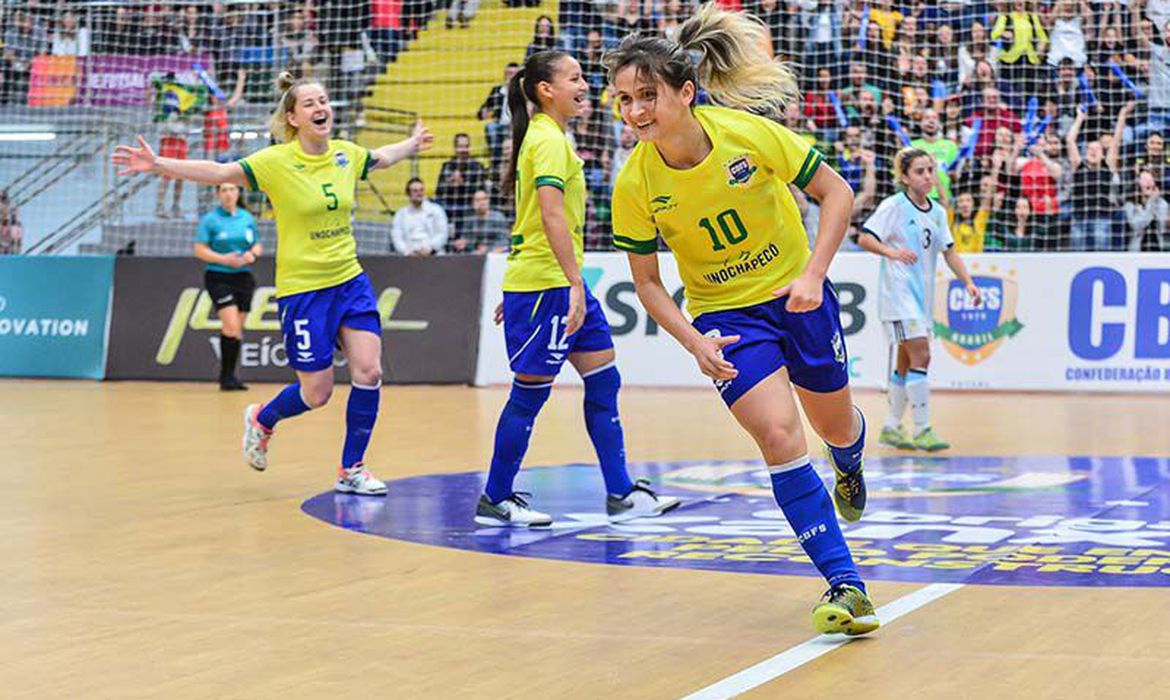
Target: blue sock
x,y
605,428
512,434
848,459
360,414
806,504
287,404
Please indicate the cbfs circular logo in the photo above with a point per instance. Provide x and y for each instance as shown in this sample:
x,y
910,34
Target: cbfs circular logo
x,y
972,332
1055,521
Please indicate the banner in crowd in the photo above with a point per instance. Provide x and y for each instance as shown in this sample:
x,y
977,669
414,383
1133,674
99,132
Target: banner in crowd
x,y
53,81
165,327
1093,322
126,80
53,316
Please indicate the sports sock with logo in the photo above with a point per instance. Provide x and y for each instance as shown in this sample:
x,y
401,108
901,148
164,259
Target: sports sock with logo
x,y
802,496
287,404
512,435
605,427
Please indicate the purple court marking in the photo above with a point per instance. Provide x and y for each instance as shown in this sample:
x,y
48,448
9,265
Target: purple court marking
x,y
1047,521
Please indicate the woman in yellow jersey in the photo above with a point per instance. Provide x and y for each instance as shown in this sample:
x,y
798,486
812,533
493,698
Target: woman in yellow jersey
x,y
324,296
549,314
713,182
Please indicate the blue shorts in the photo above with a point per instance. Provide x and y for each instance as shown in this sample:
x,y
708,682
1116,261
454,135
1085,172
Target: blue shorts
x,y
811,345
311,321
534,328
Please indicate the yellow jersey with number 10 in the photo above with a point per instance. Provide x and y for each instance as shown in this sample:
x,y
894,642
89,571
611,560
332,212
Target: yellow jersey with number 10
x,y
313,198
546,159
730,221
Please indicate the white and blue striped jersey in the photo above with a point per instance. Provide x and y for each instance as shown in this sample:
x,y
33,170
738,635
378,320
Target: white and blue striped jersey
x,y
905,291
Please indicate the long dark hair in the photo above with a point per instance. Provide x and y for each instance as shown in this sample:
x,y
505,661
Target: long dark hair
x,y
538,68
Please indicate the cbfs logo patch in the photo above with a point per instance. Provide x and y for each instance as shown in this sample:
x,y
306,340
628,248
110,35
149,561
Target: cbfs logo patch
x,y
972,332
740,170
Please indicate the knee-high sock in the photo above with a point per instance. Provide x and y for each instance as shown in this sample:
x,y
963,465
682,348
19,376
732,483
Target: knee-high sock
x,y
848,458
806,504
512,435
229,355
287,404
360,415
605,427
918,391
897,400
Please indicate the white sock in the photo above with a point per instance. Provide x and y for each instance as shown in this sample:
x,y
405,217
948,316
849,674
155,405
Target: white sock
x,y
897,392
918,391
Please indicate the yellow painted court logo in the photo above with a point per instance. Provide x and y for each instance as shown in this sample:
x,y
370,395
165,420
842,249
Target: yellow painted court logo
x,y
972,332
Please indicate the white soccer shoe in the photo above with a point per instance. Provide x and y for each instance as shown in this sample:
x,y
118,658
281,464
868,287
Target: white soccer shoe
x,y
358,480
256,439
640,502
513,511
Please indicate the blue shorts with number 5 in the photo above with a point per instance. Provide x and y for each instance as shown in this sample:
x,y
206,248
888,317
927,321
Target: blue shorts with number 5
x,y
534,329
311,321
811,345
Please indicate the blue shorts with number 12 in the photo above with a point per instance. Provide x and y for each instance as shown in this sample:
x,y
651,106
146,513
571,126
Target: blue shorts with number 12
x,y
534,329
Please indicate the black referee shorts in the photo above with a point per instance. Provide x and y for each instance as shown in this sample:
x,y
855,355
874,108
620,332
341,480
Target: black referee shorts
x,y
230,289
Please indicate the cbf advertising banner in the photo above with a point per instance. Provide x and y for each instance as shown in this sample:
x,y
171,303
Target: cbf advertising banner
x,y
53,316
1061,322
165,325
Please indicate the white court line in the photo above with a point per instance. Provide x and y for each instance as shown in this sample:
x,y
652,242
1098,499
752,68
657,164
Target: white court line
x,y
801,654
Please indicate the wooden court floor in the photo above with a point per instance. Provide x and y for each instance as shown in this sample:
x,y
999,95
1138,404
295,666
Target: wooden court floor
x,y
142,559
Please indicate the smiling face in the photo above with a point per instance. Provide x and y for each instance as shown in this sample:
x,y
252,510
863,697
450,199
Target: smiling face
x,y
651,107
567,94
311,115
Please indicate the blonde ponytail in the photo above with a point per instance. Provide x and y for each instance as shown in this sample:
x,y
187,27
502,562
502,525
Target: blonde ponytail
x,y
732,61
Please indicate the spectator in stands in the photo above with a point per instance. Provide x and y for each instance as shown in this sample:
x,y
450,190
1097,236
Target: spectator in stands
x,y
1012,233
23,40
994,114
943,150
952,119
155,34
459,179
819,109
591,133
544,36
386,29
1068,32
626,142
461,11
111,31
968,223
1155,159
1093,184
494,111
974,51
420,228
300,44
1158,118
1147,217
858,81
70,39
944,57
503,197
591,65
883,14
11,232
1024,32
1039,176
485,231
822,38
630,19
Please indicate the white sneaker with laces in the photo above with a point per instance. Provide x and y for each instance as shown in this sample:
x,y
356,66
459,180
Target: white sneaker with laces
x,y
640,502
358,480
256,439
513,511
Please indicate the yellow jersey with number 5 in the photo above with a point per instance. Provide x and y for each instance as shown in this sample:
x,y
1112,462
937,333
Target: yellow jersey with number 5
x,y
313,197
730,221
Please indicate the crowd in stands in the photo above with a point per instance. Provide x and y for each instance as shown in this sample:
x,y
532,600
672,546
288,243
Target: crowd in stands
x,y
1047,118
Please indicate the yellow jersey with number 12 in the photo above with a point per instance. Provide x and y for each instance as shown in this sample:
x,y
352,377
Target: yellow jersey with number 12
x,y
730,221
313,197
546,159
